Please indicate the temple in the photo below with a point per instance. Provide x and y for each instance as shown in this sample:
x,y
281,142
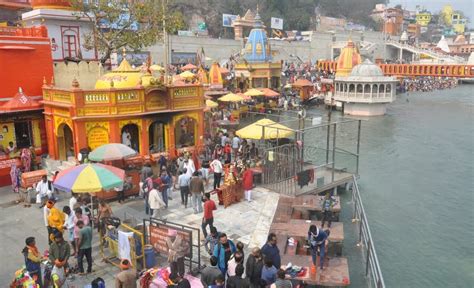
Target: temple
x,y
348,59
127,106
256,69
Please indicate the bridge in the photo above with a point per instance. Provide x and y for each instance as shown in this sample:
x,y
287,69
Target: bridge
x,y
413,70
440,57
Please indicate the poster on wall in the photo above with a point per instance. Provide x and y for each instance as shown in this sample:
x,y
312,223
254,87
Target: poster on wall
x,y
97,137
228,20
178,58
277,23
134,58
159,234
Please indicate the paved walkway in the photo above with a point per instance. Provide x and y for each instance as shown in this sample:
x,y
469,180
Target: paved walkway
x,y
245,222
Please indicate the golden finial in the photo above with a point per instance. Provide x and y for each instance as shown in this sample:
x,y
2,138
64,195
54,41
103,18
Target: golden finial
x,y
44,81
111,83
124,52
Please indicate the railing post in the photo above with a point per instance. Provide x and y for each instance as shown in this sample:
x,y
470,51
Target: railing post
x,y
360,226
358,146
333,153
369,246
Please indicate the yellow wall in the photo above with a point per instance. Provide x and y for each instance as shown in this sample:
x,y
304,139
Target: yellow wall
x,y
423,19
9,136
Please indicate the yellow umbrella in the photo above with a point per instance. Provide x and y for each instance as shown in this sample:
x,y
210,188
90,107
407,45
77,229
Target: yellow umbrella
x,y
254,92
156,67
231,97
272,130
211,104
186,75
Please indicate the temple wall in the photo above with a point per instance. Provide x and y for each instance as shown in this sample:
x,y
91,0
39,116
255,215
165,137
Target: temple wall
x,y
318,48
85,72
362,109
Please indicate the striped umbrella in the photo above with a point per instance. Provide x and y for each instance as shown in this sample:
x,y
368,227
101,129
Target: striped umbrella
x,y
89,178
111,151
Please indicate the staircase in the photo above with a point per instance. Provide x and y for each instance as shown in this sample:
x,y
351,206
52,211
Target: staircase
x,y
431,53
52,165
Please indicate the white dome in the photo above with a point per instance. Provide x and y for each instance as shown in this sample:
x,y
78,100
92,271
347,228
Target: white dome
x,y
366,69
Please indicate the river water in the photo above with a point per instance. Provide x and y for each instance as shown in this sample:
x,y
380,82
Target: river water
x,y
417,178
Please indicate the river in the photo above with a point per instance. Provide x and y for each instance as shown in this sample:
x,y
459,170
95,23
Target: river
x,y
417,178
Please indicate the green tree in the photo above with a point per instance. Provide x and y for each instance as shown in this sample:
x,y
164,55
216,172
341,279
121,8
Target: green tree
x,y
118,24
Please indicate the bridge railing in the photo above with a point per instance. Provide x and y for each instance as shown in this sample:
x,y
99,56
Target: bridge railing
x,y
372,267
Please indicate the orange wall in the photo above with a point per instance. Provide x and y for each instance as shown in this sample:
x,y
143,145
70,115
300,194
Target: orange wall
x,y
24,62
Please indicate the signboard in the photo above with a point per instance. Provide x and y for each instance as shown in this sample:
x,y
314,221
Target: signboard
x,y
185,33
277,23
182,58
97,137
134,58
228,20
159,234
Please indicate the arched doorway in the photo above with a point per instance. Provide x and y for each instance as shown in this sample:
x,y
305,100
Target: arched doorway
x,y
65,142
131,136
156,134
185,132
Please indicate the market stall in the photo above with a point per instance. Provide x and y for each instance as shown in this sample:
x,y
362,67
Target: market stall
x,y
231,191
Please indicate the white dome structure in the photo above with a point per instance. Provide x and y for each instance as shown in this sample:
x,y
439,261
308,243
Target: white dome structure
x,y
366,68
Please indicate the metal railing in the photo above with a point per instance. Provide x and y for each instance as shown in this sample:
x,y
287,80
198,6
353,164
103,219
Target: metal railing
x,y
372,269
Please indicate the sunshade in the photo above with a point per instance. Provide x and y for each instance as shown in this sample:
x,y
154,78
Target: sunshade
x,y
186,75
231,97
110,152
189,66
245,97
267,92
156,67
253,92
89,178
272,130
211,104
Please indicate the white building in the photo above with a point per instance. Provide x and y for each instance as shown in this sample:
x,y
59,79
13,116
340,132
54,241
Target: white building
x,y
366,91
65,29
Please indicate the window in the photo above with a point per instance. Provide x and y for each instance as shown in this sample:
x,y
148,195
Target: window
x,y
70,37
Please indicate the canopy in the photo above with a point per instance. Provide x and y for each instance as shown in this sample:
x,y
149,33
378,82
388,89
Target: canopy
x,y
186,75
111,151
20,102
245,97
267,92
253,92
272,130
189,66
231,97
156,67
89,178
302,83
211,104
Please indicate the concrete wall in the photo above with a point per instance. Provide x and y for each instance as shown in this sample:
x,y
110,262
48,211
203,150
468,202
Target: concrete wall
x,y
86,73
318,48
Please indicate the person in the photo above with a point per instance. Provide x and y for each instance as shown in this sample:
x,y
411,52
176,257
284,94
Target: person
x,y
56,220
179,281
105,211
11,149
210,273
208,217
165,187
59,252
155,202
146,172
120,193
189,165
327,205
211,240
253,267
216,166
147,186
180,163
25,156
33,260
69,227
219,283
240,248
281,281
237,281
235,146
79,217
253,152
236,259
183,183
42,188
126,138
85,208
84,246
317,240
127,277
269,272
204,171
227,153
247,183
223,251
270,250
196,187
177,249
73,201
46,209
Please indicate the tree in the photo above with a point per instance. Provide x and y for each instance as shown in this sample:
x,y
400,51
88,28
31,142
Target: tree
x,y
118,24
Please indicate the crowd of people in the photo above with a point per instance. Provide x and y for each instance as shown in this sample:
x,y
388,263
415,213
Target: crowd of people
x,y
426,84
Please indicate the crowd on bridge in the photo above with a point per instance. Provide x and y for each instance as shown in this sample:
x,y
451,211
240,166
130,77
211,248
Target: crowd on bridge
x,y
426,84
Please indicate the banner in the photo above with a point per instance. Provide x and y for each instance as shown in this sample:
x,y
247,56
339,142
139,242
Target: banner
x,y
277,23
228,19
159,234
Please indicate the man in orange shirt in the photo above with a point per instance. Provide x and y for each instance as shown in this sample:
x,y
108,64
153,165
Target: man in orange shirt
x,y
208,217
